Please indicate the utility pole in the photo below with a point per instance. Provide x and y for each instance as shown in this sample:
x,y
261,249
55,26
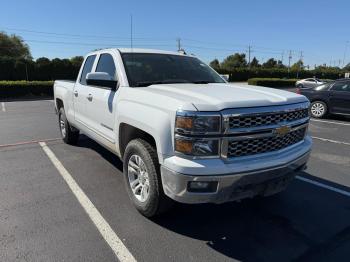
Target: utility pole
x,y
26,71
300,62
131,36
178,44
346,49
289,59
249,51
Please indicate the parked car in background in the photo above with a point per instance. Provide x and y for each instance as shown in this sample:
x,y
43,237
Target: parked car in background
x,y
329,98
309,82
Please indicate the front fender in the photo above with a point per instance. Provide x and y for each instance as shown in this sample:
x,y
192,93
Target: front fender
x,y
157,122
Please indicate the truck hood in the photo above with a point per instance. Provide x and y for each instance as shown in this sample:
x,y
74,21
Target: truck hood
x,y
216,97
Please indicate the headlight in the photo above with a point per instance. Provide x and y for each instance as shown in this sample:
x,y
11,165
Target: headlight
x,y
197,123
197,147
190,127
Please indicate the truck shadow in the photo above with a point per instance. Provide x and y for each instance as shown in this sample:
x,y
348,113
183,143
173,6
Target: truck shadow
x,y
303,223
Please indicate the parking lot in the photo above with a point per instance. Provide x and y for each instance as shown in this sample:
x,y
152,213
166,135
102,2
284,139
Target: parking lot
x,y
46,216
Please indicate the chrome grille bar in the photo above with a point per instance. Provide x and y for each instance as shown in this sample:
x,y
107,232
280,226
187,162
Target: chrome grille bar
x,y
262,138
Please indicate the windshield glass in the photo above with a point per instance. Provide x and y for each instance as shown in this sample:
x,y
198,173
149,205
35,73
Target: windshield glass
x,y
144,69
323,87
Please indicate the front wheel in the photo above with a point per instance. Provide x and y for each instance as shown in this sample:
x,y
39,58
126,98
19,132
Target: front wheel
x,y
143,180
318,109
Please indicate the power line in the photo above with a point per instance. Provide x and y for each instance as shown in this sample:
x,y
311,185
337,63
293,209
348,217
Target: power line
x,y
81,35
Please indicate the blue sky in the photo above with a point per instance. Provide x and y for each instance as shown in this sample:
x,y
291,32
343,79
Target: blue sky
x,y
209,29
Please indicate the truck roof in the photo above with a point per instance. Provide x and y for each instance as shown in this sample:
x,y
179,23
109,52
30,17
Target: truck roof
x,y
140,50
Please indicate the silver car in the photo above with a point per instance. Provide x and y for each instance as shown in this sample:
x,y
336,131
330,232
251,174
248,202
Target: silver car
x,y
309,82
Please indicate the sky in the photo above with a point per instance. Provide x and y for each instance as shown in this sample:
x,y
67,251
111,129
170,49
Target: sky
x,y
317,31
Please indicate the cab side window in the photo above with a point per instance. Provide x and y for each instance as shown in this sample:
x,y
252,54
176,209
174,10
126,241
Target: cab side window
x,y
89,62
342,86
106,64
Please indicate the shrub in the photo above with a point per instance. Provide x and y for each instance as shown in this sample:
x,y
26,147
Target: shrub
x,y
272,82
16,89
243,74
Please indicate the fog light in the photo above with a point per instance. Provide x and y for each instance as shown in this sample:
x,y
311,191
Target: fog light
x,y
202,186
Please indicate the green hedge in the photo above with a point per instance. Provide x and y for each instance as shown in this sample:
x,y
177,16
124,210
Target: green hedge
x,y
16,89
243,74
272,82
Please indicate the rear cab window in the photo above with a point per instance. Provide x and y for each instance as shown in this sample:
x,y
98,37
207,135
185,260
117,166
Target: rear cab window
x,y
89,62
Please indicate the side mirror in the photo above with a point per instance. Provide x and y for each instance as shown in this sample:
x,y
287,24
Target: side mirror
x,y
225,77
101,79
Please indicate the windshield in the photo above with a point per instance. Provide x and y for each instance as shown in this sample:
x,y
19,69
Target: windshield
x,y
323,87
144,69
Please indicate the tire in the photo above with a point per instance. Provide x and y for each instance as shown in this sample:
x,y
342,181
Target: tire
x,y
154,201
69,134
300,86
318,109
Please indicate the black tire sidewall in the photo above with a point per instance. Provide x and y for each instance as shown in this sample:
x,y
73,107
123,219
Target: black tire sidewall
x,y
150,206
62,116
71,136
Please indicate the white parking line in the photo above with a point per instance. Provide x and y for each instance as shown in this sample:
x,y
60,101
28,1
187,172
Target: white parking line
x,y
3,108
119,249
330,122
334,189
331,141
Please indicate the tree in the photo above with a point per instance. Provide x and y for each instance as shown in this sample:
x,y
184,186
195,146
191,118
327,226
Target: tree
x,y
234,61
280,64
299,65
254,63
347,67
215,64
12,46
77,61
271,63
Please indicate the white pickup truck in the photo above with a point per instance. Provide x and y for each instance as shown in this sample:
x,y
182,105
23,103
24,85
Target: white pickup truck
x,y
182,131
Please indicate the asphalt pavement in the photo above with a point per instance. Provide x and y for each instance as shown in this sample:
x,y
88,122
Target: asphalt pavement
x,y
43,218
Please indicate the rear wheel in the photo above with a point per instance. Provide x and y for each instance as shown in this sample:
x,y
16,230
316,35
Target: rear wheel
x,y
318,109
143,180
69,134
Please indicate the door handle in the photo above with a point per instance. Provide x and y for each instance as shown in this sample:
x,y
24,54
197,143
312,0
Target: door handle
x,y
76,93
89,97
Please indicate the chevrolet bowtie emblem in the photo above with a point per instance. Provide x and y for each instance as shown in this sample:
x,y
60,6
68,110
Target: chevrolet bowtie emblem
x,y
282,130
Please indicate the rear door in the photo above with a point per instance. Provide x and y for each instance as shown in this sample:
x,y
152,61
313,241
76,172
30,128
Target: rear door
x,y
340,98
81,92
102,106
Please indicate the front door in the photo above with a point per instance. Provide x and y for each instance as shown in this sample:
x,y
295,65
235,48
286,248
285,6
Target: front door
x,y
340,97
102,105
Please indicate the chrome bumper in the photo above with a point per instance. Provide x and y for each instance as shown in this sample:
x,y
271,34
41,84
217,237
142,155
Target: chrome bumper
x,y
234,186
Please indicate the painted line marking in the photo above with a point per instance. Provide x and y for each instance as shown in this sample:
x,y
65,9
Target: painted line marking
x,y
3,108
116,244
29,142
331,141
330,122
334,189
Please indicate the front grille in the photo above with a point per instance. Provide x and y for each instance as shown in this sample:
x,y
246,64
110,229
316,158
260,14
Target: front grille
x,y
257,120
265,144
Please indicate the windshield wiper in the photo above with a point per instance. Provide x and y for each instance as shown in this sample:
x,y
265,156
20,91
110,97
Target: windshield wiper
x,y
166,81
201,82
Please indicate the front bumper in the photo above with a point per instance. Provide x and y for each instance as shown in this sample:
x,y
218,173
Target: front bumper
x,y
236,185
